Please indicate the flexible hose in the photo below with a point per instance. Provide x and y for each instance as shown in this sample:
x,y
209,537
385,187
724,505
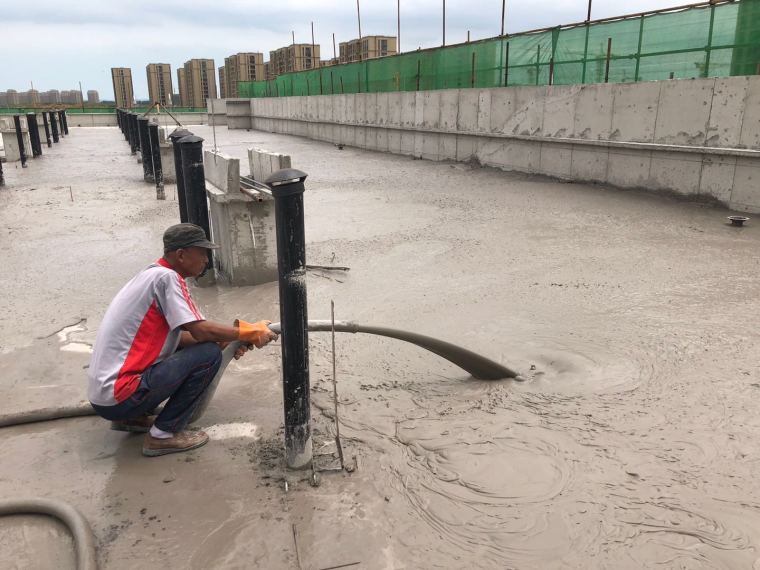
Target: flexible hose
x,y
84,541
479,366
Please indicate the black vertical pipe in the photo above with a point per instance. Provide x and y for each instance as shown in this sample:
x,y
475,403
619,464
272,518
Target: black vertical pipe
x,y
288,188
2,176
194,177
61,130
54,126
20,139
34,134
175,137
147,163
155,154
47,129
65,122
118,119
134,140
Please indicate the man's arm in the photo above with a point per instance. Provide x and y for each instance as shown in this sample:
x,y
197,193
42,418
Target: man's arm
x,y
207,331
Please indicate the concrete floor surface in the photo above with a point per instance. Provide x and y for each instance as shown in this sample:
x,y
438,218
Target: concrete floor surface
x,y
633,444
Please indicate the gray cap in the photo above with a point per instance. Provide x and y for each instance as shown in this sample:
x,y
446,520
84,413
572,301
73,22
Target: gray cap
x,y
181,236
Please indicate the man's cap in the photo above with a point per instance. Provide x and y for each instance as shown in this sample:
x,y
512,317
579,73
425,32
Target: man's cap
x,y
181,236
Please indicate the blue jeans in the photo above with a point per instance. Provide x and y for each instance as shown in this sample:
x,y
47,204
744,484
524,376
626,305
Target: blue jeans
x,y
182,378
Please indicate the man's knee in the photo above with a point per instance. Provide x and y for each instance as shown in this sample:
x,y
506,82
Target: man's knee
x,y
209,352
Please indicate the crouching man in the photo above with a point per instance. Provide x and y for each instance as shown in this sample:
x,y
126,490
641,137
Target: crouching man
x,y
154,345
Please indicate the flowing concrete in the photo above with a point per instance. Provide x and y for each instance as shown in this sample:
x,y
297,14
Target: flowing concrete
x,y
695,138
634,443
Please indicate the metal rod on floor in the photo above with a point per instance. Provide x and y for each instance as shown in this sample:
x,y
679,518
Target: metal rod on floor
x,y
288,188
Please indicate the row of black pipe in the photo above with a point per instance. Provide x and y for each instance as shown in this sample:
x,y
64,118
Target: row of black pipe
x,y
51,121
187,148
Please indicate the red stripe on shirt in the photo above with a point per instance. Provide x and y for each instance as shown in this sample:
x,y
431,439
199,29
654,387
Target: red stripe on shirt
x,y
185,293
146,346
189,299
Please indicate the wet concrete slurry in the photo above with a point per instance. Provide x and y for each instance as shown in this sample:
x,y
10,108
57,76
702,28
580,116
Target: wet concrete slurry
x,y
633,444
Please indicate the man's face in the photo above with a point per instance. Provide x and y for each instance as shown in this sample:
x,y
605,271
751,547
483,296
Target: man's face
x,y
192,261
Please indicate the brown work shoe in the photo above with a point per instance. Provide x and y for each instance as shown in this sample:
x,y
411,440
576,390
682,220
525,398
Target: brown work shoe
x,y
135,425
182,441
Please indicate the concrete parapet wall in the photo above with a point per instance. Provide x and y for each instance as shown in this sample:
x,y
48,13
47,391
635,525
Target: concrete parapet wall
x,y
10,139
238,113
109,119
698,138
262,163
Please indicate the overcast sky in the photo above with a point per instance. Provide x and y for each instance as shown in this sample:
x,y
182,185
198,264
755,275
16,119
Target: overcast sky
x,y
56,43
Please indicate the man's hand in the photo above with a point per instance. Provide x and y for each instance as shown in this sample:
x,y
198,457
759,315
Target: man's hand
x,y
257,333
242,349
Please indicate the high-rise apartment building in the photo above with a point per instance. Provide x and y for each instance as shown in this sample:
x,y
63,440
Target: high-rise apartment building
x,y
12,98
248,66
30,98
159,83
368,47
295,57
93,96
222,83
182,87
200,81
123,92
72,97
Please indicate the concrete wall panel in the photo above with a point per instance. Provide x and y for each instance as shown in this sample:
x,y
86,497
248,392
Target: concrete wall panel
x,y
467,121
634,111
593,112
484,111
559,110
449,104
726,112
628,169
717,178
675,172
746,191
750,134
556,160
589,164
502,108
684,112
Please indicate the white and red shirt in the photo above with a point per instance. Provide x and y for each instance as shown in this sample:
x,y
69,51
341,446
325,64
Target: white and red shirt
x,y
140,328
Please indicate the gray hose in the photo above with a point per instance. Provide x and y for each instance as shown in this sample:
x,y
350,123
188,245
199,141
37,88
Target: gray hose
x,y
84,542
480,367
46,414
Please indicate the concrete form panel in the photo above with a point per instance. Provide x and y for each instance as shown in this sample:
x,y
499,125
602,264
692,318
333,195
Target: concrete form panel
x,y
360,108
559,110
381,139
466,148
746,192
684,112
394,109
431,110
675,172
556,160
750,134
527,117
467,121
484,111
629,169
394,141
502,108
447,148
717,178
449,109
634,111
727,111
589,164
382,109
408,109
350,114
430,146
370,116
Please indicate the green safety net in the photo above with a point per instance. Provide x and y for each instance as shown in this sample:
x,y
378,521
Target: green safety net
x,y
704,40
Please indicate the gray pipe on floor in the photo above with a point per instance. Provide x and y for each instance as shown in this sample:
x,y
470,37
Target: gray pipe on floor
x,y
84,542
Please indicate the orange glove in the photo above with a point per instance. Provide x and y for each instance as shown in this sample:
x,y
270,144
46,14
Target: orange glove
x,y
257,334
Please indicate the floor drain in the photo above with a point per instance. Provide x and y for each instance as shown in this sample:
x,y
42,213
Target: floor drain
x,y
738,220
